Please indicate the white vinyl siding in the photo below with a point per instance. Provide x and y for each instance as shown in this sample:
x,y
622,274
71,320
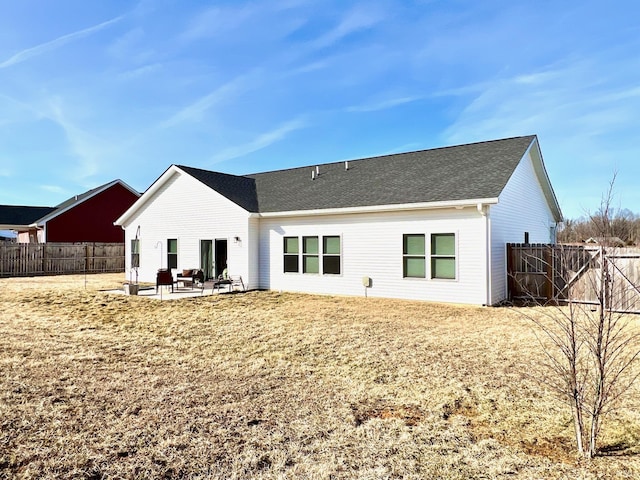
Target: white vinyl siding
x,y
372,246
522,207
253,246
189,211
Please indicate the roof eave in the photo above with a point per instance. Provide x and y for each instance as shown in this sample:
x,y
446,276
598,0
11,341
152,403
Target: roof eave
x,y
457,204
7,226
545,182
149,192
98,191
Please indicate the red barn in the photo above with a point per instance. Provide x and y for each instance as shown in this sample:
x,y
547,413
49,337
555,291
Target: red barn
x,y
87,217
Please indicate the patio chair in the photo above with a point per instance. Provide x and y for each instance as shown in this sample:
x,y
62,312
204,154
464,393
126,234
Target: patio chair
x,y
236,281
232,281
164,277
191,278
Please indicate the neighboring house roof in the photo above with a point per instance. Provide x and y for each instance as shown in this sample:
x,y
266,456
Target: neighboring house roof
x,y
7,236
615,241
475,172
17,216
78,199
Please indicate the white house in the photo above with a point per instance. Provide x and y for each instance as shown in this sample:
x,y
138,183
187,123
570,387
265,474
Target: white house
x,y
426,225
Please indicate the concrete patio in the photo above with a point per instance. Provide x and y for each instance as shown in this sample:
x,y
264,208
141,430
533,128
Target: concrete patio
x,y
165,293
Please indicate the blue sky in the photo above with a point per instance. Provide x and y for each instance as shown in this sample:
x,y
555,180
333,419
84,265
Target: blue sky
x,y
93,91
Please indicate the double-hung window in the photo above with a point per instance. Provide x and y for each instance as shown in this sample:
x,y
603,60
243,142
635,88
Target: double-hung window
x,y
310,261
331,255
443,255
135,253
172,253
413,256
291,251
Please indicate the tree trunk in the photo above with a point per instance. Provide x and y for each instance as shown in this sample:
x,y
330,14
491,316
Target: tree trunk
x,y
578,422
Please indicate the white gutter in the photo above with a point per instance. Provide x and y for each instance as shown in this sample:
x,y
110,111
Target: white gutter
x,y
381,208
487,238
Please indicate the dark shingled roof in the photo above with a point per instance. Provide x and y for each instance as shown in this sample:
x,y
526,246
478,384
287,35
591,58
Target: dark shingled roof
x,y
240,190
21,215
472,171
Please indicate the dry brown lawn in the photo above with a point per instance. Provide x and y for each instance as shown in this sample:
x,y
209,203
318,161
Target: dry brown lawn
x,y
267,385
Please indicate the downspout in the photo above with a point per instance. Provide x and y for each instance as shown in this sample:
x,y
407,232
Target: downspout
x,y
487,238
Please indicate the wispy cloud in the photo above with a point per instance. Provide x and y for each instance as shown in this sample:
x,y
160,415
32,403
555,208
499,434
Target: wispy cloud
x,y
261,141
585,115
5,172
384,104
134,47
53,189
56,43
140,71
547,101
357,19
196,110
310,67
87,147
18,109
215,21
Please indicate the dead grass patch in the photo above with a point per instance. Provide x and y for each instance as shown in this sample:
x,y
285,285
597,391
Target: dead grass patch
x,y
267,385
409,415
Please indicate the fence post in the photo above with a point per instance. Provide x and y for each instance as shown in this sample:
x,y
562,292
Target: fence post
x,y
549,272
604,278
510,272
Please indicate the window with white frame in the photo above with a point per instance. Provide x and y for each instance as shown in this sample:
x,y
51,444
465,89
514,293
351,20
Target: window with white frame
x,y
291,251
135,253
310,250
443,256
172,253
331,255
315,257
413,256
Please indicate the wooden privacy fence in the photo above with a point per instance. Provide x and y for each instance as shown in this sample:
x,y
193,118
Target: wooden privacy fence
x,y
584,274
26,259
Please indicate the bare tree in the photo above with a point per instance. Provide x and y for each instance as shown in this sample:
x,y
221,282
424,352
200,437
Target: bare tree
x,y
607,222
590,344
